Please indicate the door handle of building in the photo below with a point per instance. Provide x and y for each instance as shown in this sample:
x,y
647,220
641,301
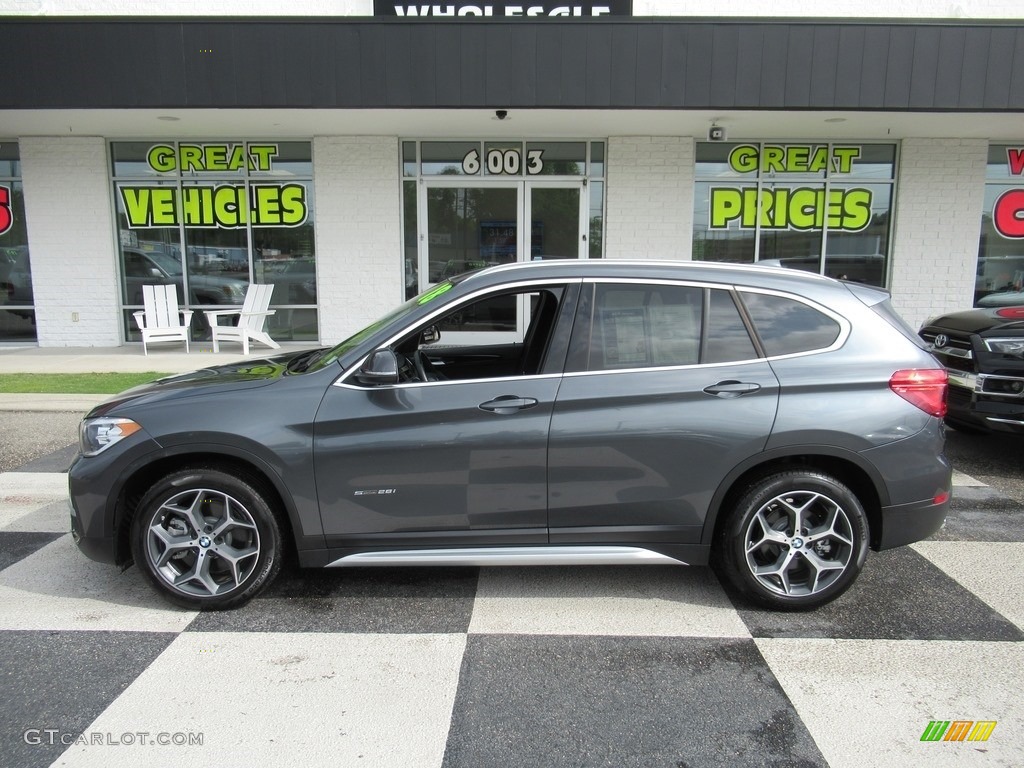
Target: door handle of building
x,y
732,388
508,404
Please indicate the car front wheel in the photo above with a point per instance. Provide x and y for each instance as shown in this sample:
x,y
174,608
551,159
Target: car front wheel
x,y
207,540
794,541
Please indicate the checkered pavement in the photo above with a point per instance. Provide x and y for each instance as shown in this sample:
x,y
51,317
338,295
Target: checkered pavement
x,y
585,666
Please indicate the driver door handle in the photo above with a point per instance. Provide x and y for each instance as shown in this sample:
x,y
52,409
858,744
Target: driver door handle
x,y
732,388
508,404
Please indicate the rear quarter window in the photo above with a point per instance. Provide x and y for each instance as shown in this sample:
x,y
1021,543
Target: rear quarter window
x,y
787,326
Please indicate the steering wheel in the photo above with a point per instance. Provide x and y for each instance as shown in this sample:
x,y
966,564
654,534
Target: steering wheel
x,y
424,368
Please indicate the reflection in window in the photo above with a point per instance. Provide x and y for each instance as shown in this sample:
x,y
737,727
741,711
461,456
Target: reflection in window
x,y
645,327
787,326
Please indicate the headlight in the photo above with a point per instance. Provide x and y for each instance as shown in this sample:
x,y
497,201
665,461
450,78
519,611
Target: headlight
x,y
96,435
1010,347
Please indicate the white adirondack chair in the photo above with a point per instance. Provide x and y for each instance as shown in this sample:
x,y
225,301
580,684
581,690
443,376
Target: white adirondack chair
x,y
251,319
160,320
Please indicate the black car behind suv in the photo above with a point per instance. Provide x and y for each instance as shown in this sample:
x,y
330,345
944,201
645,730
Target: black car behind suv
x,y
983,351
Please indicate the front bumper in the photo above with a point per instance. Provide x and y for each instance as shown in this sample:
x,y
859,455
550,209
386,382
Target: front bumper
x,y
987,400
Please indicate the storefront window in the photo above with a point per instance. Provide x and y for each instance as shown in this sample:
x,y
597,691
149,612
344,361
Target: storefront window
x,y
213,217
823,208
1000,273
17,311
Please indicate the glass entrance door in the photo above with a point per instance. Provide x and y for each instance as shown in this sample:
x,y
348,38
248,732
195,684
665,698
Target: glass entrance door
x,y
481,225
468,227
557,220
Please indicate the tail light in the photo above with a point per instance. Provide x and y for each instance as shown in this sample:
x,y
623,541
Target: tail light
x,y
924,388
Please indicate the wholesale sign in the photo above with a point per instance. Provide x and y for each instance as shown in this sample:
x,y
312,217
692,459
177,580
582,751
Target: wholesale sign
x,y
220,205
799,208
1008,211
534,10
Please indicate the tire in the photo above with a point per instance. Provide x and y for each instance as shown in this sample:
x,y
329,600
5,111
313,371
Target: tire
x,y
207,540
795,540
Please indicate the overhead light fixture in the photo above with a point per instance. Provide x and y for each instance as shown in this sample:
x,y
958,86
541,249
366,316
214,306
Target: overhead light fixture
x,y
835,119
168,118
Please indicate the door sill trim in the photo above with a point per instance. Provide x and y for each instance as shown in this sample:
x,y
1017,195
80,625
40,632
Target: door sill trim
x,y
497,556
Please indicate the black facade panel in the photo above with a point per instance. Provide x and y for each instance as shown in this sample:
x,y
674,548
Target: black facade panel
x,y
448,65
874,68
824,66
725,52
674,53
623,75
599,63
750,63
774,60
952,43
923,84
850,65
798,67
549,66
599,66
524,55
900,61
699,51
1016,97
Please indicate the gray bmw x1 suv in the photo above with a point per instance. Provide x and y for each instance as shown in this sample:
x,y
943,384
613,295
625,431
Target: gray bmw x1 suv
x,y
774,423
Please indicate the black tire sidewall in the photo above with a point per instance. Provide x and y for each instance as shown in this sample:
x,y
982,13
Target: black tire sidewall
x,y
251,496
731,555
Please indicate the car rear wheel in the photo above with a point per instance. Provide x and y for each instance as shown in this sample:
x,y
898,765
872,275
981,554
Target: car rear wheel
x,y
794,541
206,539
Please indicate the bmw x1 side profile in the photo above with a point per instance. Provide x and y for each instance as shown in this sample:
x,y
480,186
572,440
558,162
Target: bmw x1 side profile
x,y
772,423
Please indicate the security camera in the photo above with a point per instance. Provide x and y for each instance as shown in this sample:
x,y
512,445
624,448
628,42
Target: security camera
x,y
501,114
716,133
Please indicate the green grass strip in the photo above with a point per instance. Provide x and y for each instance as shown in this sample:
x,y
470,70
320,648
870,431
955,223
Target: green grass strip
x,y
74,383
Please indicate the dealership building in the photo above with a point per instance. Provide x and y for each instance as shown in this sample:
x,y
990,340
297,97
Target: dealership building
x,y
356,152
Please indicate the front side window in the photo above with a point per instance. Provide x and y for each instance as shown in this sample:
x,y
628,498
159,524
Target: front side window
x,y
819,207
1000,273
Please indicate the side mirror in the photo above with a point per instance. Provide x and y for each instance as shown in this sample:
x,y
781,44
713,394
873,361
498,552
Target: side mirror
x,y
380,368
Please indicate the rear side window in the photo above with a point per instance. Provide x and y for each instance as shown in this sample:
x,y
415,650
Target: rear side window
x,y
657,325
787,326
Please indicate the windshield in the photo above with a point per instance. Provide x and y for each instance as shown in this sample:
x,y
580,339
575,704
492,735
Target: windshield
x,y
396,314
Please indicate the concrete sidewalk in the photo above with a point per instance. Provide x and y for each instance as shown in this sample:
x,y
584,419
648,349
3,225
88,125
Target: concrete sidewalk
x,y
126,359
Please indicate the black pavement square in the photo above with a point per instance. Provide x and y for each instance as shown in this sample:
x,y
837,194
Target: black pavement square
x,y
62,681
982,514
899,595
542,700
383,600
15,546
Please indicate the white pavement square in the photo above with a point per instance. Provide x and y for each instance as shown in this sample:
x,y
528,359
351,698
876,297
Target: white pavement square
x,y
604,600
290,699
868,702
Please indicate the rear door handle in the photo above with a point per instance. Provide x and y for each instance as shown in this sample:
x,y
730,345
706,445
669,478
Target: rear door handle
x,y
508,404
732,388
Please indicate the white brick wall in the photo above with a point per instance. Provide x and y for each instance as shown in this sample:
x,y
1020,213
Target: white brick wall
x,y
939,200
358,235
650,197
69,217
